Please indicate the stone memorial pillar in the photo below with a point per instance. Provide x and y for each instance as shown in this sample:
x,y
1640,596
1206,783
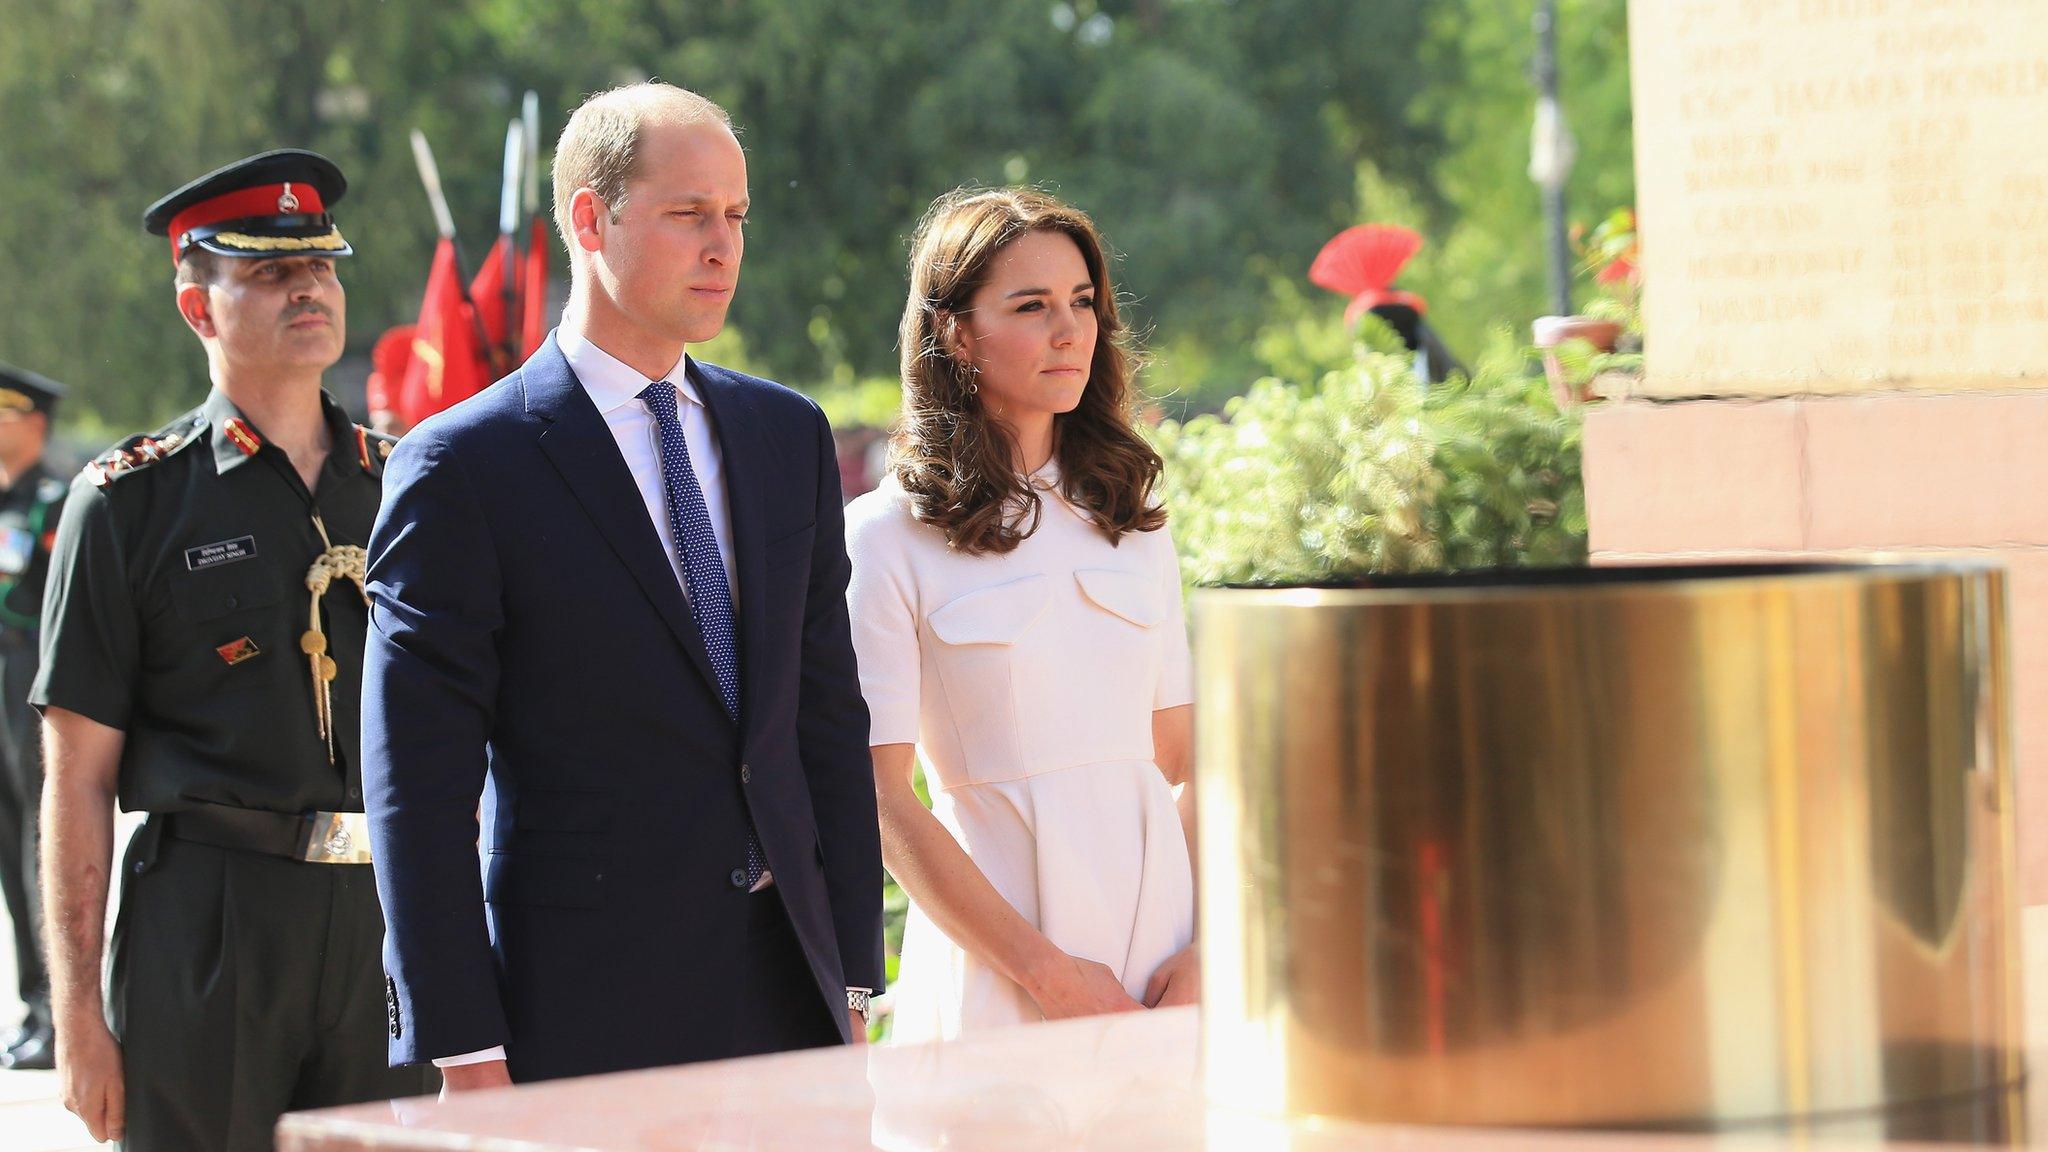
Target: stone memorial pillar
x,y
1843,209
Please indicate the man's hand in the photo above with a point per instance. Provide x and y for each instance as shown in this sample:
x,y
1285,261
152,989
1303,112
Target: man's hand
x,y
474,1077
89,1071
860,1026
1178,981
82,758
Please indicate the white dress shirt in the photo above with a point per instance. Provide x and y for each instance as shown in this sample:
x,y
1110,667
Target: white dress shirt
x,y
615,389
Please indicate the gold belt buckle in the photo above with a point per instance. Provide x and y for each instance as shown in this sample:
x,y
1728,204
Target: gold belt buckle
x,y
337,838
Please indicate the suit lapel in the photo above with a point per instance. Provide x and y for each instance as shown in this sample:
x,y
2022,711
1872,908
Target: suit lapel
x,y
741,456
580,445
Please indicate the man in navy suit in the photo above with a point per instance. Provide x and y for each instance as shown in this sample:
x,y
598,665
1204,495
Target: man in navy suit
x,y
607,596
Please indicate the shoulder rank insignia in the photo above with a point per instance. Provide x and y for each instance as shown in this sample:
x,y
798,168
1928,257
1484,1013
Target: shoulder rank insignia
x,y
139,452
244,437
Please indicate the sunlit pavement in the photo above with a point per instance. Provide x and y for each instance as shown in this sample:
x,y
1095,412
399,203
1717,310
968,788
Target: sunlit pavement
x,y
31,1114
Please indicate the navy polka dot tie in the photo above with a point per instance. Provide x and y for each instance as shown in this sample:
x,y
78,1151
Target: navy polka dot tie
x,y
703,569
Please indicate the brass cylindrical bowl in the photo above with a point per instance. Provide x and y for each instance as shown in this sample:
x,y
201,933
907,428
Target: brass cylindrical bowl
x,y
1651,846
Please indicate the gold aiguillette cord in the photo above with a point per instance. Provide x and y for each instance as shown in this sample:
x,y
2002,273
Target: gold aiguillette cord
x,y
349,561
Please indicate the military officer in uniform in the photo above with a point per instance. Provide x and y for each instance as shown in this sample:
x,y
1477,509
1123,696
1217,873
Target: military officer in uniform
x,y
202,652
30,501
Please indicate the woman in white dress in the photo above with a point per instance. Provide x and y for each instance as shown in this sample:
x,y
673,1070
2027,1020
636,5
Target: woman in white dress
x,y
1017,614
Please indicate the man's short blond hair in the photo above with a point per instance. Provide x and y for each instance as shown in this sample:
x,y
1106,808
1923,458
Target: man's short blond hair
x,y
600,145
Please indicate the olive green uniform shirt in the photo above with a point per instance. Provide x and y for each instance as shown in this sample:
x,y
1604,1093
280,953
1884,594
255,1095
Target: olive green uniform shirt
x,y
176,602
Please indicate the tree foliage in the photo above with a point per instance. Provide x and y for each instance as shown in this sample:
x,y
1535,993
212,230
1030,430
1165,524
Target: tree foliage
x,y
1485,263
109,104
1218,142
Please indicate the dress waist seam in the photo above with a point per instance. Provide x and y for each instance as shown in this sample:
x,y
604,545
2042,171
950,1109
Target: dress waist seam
x,y
1148,763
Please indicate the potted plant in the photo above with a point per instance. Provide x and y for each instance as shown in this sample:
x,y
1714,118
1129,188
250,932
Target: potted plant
x,y
1611,323
1459,831
1368,470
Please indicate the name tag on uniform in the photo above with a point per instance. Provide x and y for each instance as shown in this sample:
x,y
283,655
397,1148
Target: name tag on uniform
x,y
214,555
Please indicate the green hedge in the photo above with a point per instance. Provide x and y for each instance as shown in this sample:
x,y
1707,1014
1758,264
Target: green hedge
x,y
1367,470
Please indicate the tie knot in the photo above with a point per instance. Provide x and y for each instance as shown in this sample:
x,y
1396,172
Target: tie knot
x,y
660,398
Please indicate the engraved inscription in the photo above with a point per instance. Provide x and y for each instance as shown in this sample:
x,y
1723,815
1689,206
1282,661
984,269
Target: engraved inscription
x,y
1839,194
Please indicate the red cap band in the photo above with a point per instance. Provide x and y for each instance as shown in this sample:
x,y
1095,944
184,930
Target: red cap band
x,y
243,203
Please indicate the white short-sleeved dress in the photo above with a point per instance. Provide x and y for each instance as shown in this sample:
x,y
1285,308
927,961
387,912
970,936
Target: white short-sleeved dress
x,y
1028,682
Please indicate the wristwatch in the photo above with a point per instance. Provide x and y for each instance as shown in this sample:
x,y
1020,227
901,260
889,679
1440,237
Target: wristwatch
x,y
858,1000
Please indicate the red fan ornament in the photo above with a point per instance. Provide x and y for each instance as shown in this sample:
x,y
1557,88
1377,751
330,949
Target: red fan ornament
x,y
1362,261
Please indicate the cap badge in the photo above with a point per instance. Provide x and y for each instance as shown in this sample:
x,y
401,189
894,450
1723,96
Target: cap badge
x,y
287,203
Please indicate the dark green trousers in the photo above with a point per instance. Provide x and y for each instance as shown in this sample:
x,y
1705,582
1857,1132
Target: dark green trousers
x,y
244,987
21,791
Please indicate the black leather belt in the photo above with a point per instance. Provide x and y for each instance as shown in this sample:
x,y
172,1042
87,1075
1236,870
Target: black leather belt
x,y
312,837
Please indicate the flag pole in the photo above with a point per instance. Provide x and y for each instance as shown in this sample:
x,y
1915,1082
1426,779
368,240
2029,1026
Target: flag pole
x,y
508,233
532,296
529,121
430,176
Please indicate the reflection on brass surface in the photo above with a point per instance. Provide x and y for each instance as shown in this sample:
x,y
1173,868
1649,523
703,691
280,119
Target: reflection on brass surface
x,y
1608,847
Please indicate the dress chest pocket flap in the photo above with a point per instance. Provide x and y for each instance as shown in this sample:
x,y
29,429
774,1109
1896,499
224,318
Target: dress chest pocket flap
x,y
212,592
1125,594
997,615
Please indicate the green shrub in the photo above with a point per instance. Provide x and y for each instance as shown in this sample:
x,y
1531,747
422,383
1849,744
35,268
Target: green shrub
x,y
1366,470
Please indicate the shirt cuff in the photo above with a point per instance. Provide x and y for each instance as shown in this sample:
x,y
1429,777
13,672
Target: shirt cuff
x,y
483,1057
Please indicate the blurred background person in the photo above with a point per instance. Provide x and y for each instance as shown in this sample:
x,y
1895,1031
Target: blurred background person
x,y
31,500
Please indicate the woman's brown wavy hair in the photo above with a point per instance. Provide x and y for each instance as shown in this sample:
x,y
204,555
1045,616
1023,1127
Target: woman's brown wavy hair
x,y
956,461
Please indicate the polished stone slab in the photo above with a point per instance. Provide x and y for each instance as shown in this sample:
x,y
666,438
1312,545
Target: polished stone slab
x,y
1115,1084
1129,1083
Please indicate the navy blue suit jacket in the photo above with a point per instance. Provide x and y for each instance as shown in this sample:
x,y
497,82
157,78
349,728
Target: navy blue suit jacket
x,y
530,644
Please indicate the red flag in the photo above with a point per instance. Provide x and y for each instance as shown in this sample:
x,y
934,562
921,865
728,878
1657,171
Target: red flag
x,y
533,291
447,366
389,360
487,293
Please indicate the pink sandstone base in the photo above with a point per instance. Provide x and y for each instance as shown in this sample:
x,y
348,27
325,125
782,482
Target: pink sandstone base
x,y
1818,477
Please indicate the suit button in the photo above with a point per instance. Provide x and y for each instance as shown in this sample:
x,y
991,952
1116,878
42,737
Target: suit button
x,y
746,774
738,876
232,603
